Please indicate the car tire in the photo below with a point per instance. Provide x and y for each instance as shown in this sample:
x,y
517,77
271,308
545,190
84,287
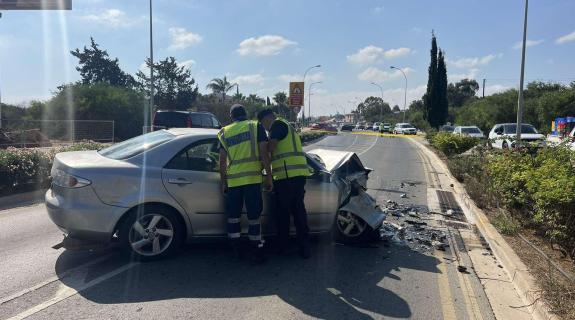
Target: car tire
x,y
504,145
359,231
159,235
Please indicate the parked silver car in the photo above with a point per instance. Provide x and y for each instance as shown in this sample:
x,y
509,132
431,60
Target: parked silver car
x,y
155,191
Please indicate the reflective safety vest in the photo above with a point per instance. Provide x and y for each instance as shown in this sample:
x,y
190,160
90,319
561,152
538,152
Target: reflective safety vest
x,y
240,141
288,159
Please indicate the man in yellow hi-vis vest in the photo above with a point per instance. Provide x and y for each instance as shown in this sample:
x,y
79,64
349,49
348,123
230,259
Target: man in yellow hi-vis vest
x,y
243,155
290,170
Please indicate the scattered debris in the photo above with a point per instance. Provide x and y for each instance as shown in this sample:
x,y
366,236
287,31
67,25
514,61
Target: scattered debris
x,y
449,212
403,195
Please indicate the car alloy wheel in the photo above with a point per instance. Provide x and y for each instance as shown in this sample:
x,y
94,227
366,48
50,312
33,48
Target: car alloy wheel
x,y
151,235
349,225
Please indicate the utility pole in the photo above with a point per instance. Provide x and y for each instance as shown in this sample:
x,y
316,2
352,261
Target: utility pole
x,y
483,96
151,111
520,101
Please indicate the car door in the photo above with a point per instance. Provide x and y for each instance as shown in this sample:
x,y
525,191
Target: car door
x,y
192,177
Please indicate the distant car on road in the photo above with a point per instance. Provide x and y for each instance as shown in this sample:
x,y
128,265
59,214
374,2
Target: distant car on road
x,y
404,128
503,135
347,127
167,119
470,131
375,126
359,126
447,128
324,127
154,191
385,127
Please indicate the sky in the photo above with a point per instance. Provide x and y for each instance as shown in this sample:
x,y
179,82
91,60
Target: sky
x,y
262,45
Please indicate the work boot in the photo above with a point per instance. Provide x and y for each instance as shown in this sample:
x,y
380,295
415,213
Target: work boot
x,y
257,255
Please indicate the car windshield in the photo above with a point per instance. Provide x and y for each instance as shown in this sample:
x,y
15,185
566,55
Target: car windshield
x,y
525,128
407,125
137,145
470,130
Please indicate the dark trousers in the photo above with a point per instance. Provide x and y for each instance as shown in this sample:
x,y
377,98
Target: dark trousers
x,y
289,195
251,195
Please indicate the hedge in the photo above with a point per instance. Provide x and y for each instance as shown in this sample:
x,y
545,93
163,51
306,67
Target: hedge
x,y
30,167
451,144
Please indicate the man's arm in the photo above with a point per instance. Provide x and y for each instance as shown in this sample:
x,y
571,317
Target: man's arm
x,y
265,159
223,169
272,144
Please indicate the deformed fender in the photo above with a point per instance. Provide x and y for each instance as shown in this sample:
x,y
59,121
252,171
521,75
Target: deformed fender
x,y
364,206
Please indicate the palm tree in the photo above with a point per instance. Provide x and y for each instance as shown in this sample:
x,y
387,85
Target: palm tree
x,y
280,98
220,86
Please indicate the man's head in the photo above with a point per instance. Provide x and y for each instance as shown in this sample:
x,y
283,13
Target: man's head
x,y
266,117
238,112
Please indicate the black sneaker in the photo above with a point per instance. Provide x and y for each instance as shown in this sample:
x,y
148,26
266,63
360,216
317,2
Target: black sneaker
x,y
257,254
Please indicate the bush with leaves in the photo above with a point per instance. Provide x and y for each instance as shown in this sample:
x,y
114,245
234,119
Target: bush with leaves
x,y
451,144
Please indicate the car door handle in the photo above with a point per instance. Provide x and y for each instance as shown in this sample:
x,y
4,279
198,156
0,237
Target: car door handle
x,y
180,181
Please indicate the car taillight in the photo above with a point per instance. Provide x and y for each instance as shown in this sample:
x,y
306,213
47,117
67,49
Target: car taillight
x,y
66,180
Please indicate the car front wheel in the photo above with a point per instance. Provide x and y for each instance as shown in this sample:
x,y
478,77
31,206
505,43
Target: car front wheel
x,y
151,234
351,229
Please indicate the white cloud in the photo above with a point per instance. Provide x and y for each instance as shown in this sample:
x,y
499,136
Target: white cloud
x,y
188,64
529,43
267,45
473,62
373,54
496,88
566,38
181,38
248,79
377,75
114,18
378,9
471,74
313,77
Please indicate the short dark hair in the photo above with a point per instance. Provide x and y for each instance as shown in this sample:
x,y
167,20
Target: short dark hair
x,y
264,113
238,112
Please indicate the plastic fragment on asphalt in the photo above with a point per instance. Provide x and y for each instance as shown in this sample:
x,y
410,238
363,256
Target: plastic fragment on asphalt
x,y
403,195
449,212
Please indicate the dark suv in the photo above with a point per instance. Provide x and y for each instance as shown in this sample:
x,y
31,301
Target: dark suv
x,y
165,119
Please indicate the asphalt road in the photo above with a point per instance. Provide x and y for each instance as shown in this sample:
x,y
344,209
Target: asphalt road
x,y
375,281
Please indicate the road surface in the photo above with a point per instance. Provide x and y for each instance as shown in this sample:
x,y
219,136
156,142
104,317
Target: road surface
x,y
375,281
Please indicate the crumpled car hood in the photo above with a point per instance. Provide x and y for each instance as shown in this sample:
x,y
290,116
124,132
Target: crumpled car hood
x,y
350,174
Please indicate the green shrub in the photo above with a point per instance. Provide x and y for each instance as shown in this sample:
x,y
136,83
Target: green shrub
x,y
31,166
506,224
451,144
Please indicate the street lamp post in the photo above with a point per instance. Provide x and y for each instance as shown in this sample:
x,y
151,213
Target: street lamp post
x,y
380,109
237,88
520,101
151,111
405,92
309,99
304,75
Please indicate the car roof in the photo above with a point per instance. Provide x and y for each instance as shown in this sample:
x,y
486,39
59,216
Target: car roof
x,y
183,111
192,131
467,127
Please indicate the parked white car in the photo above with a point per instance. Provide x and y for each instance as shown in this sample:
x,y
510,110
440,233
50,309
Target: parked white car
x,y
375,126
404,128
503,135
470,131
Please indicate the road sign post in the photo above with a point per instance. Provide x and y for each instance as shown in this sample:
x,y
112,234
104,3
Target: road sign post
x,y
296,96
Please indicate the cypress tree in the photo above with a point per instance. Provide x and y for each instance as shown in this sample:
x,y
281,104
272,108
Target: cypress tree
x,y
430,96
442,108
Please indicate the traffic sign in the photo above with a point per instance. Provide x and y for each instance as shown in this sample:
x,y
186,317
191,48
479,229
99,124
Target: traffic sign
x,y
35,4
296,94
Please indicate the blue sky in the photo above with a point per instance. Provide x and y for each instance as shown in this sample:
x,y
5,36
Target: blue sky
x,y
263,45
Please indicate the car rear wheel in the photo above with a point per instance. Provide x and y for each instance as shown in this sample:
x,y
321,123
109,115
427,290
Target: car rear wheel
x,y
151,234
351,229
504,145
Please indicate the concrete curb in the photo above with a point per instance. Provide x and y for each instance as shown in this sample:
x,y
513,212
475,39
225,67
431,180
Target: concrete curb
x,y
22,199
518,272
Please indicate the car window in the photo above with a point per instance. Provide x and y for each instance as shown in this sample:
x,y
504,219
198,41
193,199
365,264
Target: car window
x,y
470,130
215,123
525,128
137,145
170,119
206,121
196,120
199,156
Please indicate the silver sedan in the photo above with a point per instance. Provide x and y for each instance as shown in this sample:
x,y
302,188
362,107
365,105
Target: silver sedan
x,y
156,191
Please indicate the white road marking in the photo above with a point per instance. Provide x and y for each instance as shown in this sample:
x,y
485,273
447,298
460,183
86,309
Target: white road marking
x,y
66,291
52,279
351,145
372,145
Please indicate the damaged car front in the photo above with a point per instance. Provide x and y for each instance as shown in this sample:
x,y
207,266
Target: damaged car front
x,y
358,212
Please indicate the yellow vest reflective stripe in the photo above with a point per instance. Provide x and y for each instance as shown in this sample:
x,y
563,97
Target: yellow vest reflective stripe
x,y
240,141
288,158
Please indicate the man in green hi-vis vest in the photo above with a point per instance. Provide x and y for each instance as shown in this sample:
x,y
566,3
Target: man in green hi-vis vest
x,y
243,155
290,170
